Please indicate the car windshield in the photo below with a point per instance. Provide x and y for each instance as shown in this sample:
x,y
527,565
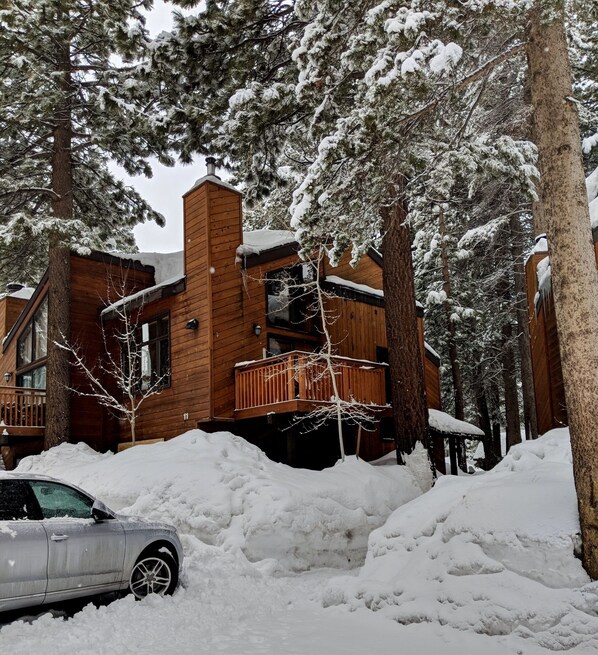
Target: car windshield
x,y
59,501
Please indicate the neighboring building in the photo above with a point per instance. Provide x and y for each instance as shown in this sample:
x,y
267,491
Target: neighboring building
x,y
218,322
551,408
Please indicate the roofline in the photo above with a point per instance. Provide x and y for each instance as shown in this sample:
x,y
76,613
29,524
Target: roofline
x,y
433,357
351,293
109,258
30,303
145,297
287,249
212,179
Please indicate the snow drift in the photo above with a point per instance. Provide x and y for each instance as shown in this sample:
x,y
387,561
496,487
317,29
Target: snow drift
x,y
492,554
226,492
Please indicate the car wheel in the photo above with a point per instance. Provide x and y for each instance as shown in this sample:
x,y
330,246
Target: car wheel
x,y
153,573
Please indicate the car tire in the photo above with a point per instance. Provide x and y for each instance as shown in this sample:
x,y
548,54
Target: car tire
x,y
155,572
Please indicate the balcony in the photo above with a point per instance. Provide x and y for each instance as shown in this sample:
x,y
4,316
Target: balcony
x,y
22,412
301,382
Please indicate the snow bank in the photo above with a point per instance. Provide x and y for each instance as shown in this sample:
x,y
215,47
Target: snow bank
x,y
226,492
492,554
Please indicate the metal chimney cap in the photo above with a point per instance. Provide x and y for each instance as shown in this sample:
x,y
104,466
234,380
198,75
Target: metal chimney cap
x,y
211,166
12,287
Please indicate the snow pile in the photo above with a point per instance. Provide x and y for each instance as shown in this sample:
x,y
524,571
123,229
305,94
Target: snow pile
x,y
447,424
226,492
24,293
492,554
256,241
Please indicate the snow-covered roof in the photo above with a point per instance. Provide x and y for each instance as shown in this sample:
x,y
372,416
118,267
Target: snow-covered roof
x,y
349,284
431,350
214,179
257,241
448,424
167,265
142,295
22,294
361,288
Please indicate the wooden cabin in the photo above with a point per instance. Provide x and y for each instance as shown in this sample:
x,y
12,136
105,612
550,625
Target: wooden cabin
x,y
235,349
551,408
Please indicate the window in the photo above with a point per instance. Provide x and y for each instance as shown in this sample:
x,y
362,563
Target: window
x,y
32,350
57,501
153,343
15,501
289,303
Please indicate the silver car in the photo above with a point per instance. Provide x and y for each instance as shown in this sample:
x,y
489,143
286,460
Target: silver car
x,y
58,542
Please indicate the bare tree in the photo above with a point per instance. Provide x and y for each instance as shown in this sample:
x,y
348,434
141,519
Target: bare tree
x,y
122,380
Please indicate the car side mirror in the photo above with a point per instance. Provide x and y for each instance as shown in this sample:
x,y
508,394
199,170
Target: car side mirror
x,y
99,512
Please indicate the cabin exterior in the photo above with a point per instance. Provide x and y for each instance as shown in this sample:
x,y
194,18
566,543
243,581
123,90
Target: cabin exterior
x,y
236,352
551,407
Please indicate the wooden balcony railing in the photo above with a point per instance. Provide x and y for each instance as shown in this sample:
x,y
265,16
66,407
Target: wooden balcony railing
x,y
297,381
22,408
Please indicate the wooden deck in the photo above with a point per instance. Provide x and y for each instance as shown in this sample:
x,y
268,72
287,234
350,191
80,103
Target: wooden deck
x,y
300,382
22,411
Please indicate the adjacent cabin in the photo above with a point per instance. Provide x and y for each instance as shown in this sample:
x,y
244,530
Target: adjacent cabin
x,y
233,345
551,408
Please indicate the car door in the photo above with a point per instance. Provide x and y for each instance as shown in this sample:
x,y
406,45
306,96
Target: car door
x,y
23,547
84,556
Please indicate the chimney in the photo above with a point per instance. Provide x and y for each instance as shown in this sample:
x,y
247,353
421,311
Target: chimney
x,y
211,166
12,287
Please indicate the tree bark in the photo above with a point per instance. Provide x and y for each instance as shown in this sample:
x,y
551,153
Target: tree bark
x,y
525,353
509,376
574,273
450,325
59,268
410,411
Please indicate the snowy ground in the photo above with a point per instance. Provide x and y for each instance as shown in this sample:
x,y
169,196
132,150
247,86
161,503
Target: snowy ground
x,y
482,564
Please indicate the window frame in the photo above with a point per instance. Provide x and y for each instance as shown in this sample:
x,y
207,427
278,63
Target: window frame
x,y
140,343
36,362
308,324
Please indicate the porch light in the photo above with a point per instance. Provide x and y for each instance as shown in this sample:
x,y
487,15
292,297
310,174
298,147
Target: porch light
x,y
257,329
7,376
193,324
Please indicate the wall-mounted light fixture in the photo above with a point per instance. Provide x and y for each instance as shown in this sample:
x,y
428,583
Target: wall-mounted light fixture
x,y
193,324
257,329
7,376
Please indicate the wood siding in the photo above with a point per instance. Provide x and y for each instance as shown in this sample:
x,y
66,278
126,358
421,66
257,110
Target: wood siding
x,y
551,407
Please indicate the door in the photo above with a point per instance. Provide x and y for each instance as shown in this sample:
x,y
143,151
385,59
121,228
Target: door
x,y
23,547
84,557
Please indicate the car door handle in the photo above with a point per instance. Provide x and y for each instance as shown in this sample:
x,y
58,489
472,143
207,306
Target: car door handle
x,y
59,537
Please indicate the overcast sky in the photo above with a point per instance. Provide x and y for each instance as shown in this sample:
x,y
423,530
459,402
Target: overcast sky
x,y
164,191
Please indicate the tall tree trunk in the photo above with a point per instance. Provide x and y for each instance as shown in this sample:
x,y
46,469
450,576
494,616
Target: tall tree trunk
x,y
405,359
491,458
59,268
509,377
574,273
525,353
450,325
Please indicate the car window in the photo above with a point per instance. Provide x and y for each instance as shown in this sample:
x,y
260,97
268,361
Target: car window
x,y
15,501
59,501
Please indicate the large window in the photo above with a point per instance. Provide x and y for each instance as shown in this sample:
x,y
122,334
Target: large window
x,y
32,350
290,300
154,345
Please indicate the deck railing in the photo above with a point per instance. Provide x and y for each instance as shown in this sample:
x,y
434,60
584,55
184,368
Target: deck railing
x,y
300,376
22,407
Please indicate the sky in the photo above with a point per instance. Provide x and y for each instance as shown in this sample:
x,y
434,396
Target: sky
x,y
165,190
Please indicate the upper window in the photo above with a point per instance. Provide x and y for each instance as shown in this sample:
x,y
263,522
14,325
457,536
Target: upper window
x,y
58,501
154,344
32,348
33,342
290,301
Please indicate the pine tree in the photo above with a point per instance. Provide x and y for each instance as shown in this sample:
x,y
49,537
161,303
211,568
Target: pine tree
x,y
71,99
